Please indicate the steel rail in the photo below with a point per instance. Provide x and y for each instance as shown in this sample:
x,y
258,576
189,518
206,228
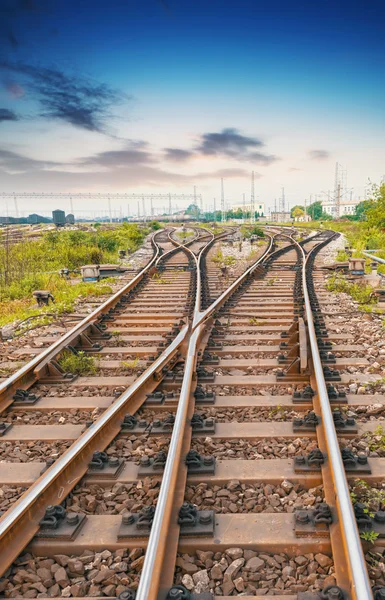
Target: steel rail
x,y
19,377
13,519
361,589
152,567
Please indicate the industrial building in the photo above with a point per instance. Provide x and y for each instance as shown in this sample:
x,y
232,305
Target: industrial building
x,y
59,217
280,216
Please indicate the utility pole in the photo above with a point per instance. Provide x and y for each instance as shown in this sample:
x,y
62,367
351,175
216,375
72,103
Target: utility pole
x,y
252,204
72,206
138,210
169,205
244,208
283,200
215,210
128,210
16,207
338,200
223,202
109,209
152,208
144,209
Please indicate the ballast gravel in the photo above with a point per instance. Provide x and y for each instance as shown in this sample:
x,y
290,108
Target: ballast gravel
x,y
90,574
246,572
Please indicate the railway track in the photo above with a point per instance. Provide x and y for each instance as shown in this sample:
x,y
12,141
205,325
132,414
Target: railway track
x,y
215,462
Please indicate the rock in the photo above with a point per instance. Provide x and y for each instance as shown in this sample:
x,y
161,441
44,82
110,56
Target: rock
x,y
203,556
227,588
62,559
234,553
201,581
330,580
55,591
216,572
239,584
188,582
254,564
301,560
287,486
189,568
66,592
323,560
109,590
103,575
76,566
61,577
234,568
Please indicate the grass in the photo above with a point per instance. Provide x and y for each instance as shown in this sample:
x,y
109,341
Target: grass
x,y
130,364
376,439
78,364
360,292
65,295
342,256
254,321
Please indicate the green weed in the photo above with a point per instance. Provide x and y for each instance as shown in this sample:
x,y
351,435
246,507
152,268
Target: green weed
x,y
369,536
78,364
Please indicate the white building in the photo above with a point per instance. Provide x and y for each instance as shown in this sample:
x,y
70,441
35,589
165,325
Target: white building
x,y
258,207
347,207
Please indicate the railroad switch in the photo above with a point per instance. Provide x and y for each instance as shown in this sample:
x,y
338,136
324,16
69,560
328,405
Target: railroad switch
x,y
331,374
111,467
201,425
204,375
210,359
203,397
134,525
196,522
200,464
332,592
336,395
304,396
52,372
324,345
59,525
378,592
155,398
149,466
367,523
43,297
179,592
310,463
308,423
355,464
4,427
128,594
313,522
213,345
342,423
24,398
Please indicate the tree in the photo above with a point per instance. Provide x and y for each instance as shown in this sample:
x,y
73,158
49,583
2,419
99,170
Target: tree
x,y
297,212
192,209
315,211
295,208
375,211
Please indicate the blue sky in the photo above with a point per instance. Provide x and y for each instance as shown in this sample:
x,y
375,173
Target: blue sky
x,y
162,95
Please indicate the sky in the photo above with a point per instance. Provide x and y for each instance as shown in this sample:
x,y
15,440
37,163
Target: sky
x,y
159,96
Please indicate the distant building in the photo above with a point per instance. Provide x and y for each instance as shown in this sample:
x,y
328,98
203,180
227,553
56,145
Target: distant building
x,y
258,207
59,217
70,219
347,207
34,219
280,217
